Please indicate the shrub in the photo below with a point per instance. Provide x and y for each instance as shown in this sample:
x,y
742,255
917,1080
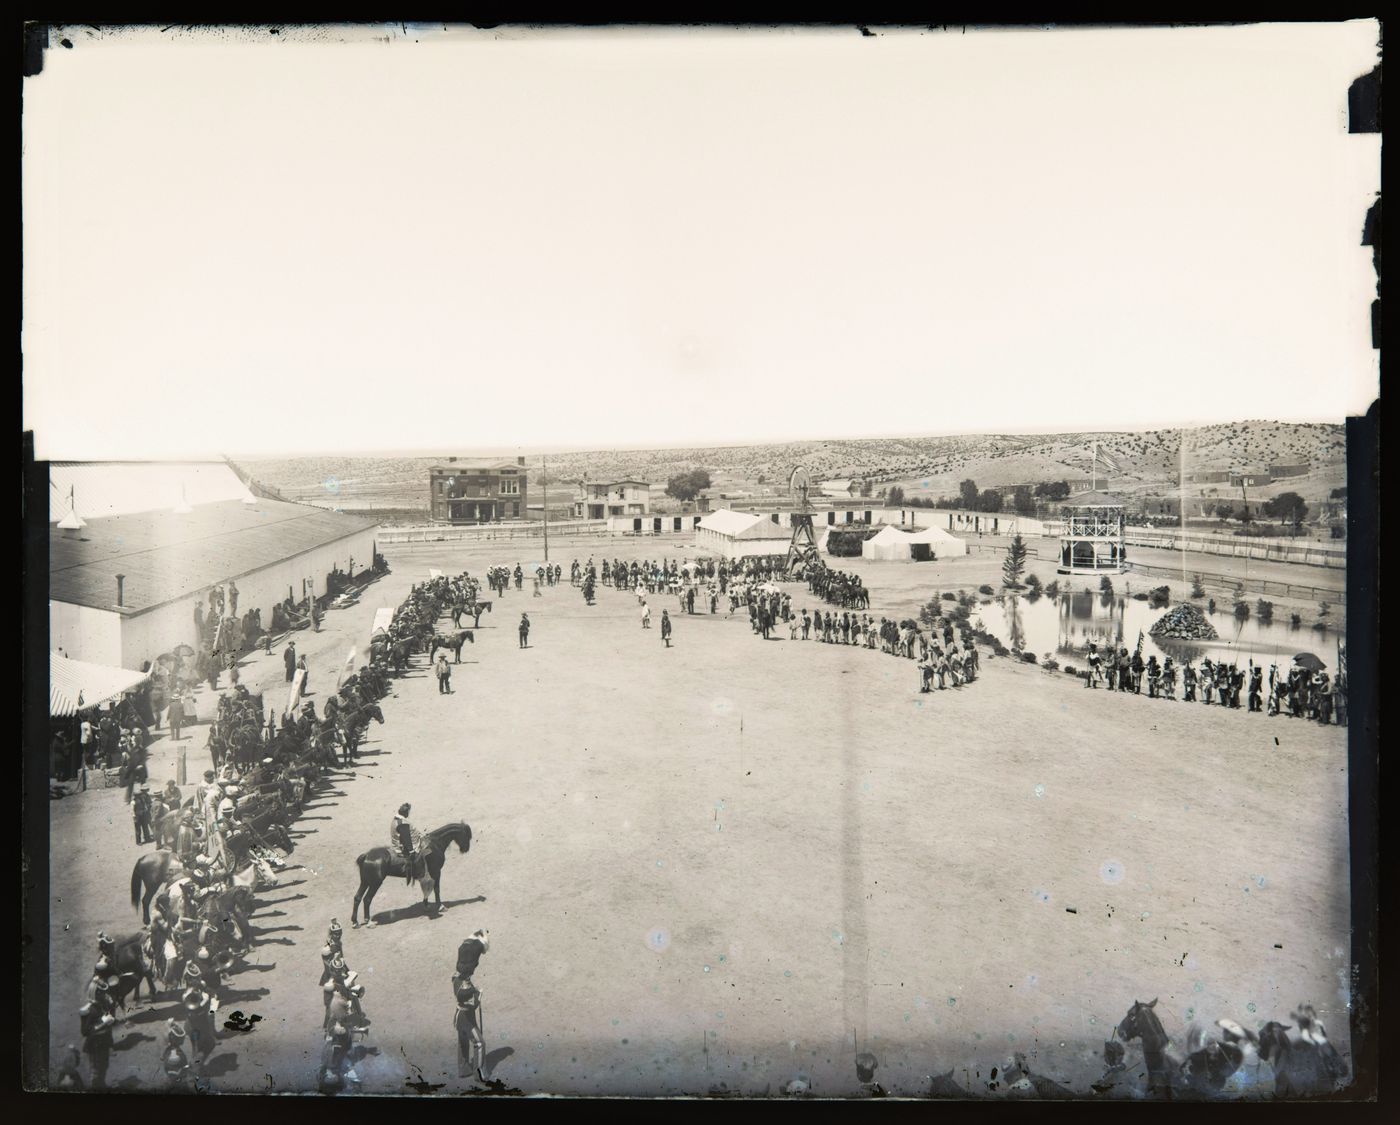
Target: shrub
x,y
1210,606
1053,590
1242,610
1070,670
1295,619
1264,610
1051,663
949,597
1198,589
1028,657
1323,609
1105,585
1320,626
1139,597
1032,582
984,589
1000,649
1160,597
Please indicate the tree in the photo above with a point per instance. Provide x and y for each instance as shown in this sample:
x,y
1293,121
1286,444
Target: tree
x,y
1014,565
866,488
1224,512
989,501
967,493
1287,506
685,486
895,496
1023,501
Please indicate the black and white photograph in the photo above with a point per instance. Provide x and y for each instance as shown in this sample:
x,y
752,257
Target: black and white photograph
x,y
788,563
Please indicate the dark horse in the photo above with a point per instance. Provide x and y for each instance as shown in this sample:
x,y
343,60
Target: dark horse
x,y
351,724
130,966
1208,1064
153,871
378,864
452,642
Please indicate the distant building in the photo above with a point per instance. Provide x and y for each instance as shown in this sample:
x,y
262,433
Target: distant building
x,y
842,488
1245,478
1210,476
615,498
469,491
1278,471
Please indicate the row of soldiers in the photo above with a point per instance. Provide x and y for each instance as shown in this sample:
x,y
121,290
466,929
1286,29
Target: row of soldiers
x,y
1297,693
838,587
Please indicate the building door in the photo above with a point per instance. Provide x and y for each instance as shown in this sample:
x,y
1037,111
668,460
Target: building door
x,y
656,525
637,526
677,524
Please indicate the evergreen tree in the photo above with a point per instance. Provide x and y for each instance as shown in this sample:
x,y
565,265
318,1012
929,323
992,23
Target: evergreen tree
x,y
1015,564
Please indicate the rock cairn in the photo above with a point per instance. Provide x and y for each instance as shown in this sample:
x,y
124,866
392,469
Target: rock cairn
x,y
1185,622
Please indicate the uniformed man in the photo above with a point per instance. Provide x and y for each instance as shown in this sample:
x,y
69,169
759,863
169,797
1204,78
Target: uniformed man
x,y
1154,676
330,951
199,1007
401,839
141,815
471,1045
524,630
173,1060
95,1024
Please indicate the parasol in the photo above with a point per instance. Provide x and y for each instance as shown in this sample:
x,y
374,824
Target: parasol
x,y
1309,661
165,659
183,650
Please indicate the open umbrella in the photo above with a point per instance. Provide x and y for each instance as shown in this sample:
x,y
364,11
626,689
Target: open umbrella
x,y
1308,661
183,650
166,659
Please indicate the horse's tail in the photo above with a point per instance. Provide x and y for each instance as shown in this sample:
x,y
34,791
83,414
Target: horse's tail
x,y
136,885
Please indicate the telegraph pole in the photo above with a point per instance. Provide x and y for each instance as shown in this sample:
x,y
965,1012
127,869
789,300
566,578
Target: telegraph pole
x,y
544,491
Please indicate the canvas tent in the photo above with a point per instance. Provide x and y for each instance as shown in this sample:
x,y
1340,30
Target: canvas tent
x,y
736,534
893,545
76,684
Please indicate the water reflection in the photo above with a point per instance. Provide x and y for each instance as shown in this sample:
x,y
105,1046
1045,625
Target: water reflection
x,y
1066,625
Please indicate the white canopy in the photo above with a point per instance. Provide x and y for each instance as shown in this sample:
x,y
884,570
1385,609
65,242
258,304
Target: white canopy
x,y
76,684
891,544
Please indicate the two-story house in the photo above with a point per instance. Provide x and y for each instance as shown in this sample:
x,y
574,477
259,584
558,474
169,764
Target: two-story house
x,y
615,498
469,491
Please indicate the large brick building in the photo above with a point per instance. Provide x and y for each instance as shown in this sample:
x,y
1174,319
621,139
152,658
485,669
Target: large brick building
x,y
468,491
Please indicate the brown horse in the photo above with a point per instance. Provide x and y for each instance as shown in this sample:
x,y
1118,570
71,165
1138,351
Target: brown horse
x,y
378,864
1203,1072
452,642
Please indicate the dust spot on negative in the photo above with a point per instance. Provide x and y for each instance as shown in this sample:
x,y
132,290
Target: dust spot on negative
x,y
1111,871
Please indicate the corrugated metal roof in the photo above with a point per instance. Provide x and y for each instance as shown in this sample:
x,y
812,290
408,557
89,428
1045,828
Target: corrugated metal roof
x,y
76,684
165,555
117,488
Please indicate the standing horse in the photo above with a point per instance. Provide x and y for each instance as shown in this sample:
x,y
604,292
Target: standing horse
x,y
351,724
151,872
378,864
130,966
1306,1066
452,642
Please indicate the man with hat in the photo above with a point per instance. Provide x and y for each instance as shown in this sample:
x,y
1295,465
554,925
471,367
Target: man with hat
x,y
173,1061
330,951
95,1023
471,1044
401,839
199,1012
141,815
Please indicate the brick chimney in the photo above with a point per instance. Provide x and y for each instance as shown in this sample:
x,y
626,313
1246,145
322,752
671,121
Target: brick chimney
x,y
520,461
121,582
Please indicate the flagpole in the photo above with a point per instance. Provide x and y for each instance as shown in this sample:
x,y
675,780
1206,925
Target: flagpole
x,y
544,485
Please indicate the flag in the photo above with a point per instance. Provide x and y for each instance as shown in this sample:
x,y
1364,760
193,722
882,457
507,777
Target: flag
x,y
347,669
1138,651
294,697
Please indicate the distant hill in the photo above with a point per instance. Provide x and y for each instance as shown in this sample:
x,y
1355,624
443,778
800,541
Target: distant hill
x,y
1130,462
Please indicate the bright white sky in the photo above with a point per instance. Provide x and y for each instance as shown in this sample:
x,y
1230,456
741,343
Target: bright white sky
x,y
269,245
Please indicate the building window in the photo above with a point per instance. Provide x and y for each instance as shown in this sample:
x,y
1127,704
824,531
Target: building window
x,y
510,486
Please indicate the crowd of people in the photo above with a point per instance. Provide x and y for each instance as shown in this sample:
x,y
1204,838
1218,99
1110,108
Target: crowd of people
x,y
216,846
1299,692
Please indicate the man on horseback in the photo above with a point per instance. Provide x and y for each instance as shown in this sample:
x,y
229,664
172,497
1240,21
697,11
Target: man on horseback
x,y
402,840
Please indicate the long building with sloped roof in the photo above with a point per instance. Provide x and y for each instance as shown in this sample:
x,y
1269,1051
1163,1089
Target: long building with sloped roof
x,y
133,549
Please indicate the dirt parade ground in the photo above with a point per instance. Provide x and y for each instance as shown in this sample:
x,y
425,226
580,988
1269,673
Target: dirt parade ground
x,y
732,863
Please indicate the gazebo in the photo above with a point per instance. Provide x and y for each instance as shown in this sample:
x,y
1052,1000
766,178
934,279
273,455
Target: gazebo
x,y
1091,541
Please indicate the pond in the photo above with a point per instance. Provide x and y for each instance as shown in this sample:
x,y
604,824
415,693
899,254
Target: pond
x,y
1064,626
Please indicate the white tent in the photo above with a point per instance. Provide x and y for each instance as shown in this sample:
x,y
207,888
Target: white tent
x,y
893,545
889,544
737,534
942,543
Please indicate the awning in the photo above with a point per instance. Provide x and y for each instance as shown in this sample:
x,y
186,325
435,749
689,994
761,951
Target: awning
x,y
383,618
75,684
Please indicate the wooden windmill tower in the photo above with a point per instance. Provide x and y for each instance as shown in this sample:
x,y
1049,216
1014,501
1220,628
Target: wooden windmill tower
x,y
803,548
